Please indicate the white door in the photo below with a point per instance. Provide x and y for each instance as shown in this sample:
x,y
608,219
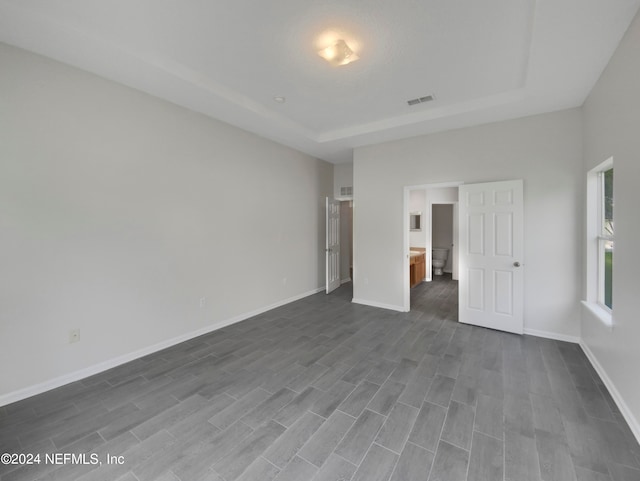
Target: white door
x,y
333,245
491,229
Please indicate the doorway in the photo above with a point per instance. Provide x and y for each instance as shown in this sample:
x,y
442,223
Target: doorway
x,y
436,206
491,240
346,241
339,243
444,232
442,240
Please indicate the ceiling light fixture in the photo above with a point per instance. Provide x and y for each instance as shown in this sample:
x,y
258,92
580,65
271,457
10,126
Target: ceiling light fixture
x,y
279,99
338,53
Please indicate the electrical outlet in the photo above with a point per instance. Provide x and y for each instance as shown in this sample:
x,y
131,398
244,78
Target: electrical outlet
x,y
284,281
203,301
74,335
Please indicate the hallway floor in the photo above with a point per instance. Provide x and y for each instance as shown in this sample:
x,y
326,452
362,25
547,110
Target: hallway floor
x,y
323,389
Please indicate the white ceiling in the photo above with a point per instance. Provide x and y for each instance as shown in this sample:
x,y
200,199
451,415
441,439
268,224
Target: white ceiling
x,y
483,60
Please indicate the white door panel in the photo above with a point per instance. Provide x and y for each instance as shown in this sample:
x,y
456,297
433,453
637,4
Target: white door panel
x,y
491,276
332,249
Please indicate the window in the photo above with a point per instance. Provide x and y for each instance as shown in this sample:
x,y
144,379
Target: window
x,y
600,241
605,238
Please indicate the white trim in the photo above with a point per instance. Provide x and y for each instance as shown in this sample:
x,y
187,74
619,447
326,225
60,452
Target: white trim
x,y
344,281
552,335
599,312
378,304
406,296
42,387
633,423
593,231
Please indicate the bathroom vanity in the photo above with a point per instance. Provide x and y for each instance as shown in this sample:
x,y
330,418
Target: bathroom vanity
x,y
417,266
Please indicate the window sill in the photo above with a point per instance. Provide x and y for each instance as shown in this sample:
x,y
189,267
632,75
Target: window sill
x,y
602,314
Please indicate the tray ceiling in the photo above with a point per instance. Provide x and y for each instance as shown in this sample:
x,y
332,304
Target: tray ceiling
x,y
482,61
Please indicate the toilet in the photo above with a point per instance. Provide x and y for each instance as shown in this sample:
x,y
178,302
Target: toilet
x,y
439,259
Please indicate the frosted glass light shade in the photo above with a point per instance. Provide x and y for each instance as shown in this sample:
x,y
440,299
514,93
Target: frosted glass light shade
x,y
338,53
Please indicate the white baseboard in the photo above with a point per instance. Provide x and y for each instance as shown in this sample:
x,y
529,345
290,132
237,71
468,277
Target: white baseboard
x,y
378,304
633,423
552,335
54,383
344,281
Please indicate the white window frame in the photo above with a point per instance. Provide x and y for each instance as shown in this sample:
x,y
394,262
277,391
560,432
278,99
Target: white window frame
x,y
596,239
603,238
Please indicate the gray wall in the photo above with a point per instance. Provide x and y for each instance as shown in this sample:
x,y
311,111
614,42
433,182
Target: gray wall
x,y
119,212
612,128
544,150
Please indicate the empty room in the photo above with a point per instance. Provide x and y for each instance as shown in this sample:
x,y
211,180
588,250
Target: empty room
x,y
319,241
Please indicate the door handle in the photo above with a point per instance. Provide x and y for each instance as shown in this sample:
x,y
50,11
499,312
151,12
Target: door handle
x,y
516,264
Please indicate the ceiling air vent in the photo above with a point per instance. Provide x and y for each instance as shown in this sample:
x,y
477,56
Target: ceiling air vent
x,y
420,100
346,191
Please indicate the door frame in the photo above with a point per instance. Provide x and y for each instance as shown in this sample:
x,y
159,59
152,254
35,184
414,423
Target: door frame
x,y
332,246
454,237
405,242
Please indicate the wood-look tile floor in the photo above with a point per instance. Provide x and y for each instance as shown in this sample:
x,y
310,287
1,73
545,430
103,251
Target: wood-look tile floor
x,y
322,389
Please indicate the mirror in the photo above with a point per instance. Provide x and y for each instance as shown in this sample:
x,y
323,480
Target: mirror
x,y
415,221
